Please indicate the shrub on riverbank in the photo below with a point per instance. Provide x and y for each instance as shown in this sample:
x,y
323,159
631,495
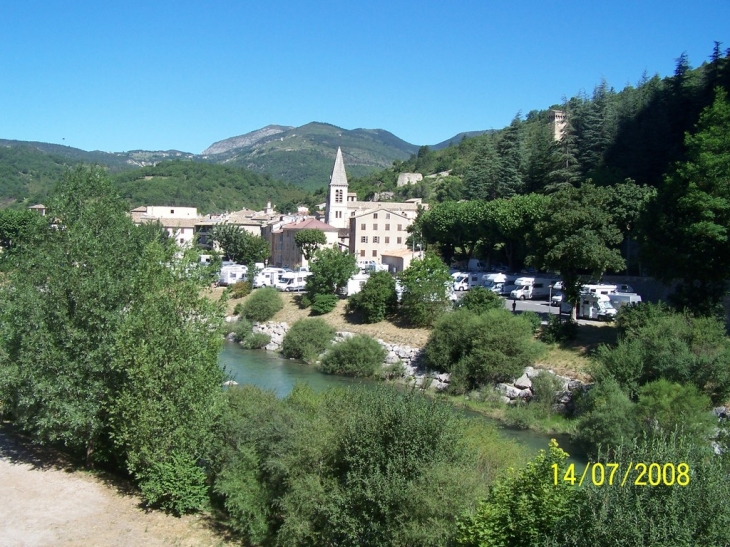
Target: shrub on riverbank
x,y
306,339
395,468
262,305
494,346
360,355
376,300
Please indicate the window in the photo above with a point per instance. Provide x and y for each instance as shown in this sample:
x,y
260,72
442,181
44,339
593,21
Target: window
x,y
352,214
400,227
375,226
362,252
375,253
387,239
362,227
387,227
338,214
375,215
376,239
400,240
364,239
172,211
387,216
338,196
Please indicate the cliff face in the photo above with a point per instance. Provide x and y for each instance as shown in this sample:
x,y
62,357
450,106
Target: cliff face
x,y
244,141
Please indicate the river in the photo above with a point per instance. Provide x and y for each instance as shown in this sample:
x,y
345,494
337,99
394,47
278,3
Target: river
x,y
269,371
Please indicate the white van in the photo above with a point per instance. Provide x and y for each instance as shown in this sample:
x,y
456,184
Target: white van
x,y
268,277
292,281
498,283
530,288
232,273
595,306
623,299
598,289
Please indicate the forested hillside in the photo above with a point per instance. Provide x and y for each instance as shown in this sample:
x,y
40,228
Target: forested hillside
x,y
211,188
611,135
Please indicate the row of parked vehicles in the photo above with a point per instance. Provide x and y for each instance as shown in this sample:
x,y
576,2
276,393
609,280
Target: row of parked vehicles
x,y
282,279
597,301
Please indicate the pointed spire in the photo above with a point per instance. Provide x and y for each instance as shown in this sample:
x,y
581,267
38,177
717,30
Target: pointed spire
x,y
339,177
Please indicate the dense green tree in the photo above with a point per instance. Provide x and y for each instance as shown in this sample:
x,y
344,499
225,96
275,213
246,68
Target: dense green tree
x,y
510,169
61,311
425,285
579,235
688,222
479,300
457,226
169,399
377,298
240,245
308,240
14,225
330,268
481,179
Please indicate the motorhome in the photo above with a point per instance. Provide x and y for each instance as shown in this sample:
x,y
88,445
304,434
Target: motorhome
x,y
595,306
355,284
292,281
620,299
466,281
598,289
232,273
268,277
498,283
530,288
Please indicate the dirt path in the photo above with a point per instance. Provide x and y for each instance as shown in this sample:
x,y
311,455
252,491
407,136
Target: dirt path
x,y
45,501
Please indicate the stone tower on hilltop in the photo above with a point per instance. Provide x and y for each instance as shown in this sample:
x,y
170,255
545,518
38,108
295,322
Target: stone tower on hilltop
x,y
335,213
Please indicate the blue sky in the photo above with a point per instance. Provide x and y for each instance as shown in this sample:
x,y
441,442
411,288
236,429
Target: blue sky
x,y
159,75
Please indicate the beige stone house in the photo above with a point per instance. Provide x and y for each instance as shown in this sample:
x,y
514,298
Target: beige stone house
x,y
284,250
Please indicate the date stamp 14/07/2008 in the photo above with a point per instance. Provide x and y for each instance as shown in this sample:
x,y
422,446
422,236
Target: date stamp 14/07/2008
x,y
634,474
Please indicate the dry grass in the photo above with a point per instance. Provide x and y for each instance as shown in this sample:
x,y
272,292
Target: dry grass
x,y
573,358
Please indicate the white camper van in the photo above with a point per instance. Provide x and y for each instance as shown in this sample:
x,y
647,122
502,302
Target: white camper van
x,y
623,299
498,283
268,277
598,289
292,281
232,273
595,306
530,288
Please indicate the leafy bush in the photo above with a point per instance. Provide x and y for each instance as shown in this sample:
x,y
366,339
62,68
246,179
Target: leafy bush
x,y
524,508
653,516
376,467
242,329
630,319
607,416
238,309
240,289
533,319
480,300
177,485
377,298
424,298
544,387
262,305
306,339
557,331
480,349
331,268
324,303
673,346
256,340
360,355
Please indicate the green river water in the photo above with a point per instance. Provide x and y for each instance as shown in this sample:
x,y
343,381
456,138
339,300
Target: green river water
x,y
268,370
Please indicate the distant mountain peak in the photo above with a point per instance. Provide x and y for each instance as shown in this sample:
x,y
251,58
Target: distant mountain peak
x,y
244,141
